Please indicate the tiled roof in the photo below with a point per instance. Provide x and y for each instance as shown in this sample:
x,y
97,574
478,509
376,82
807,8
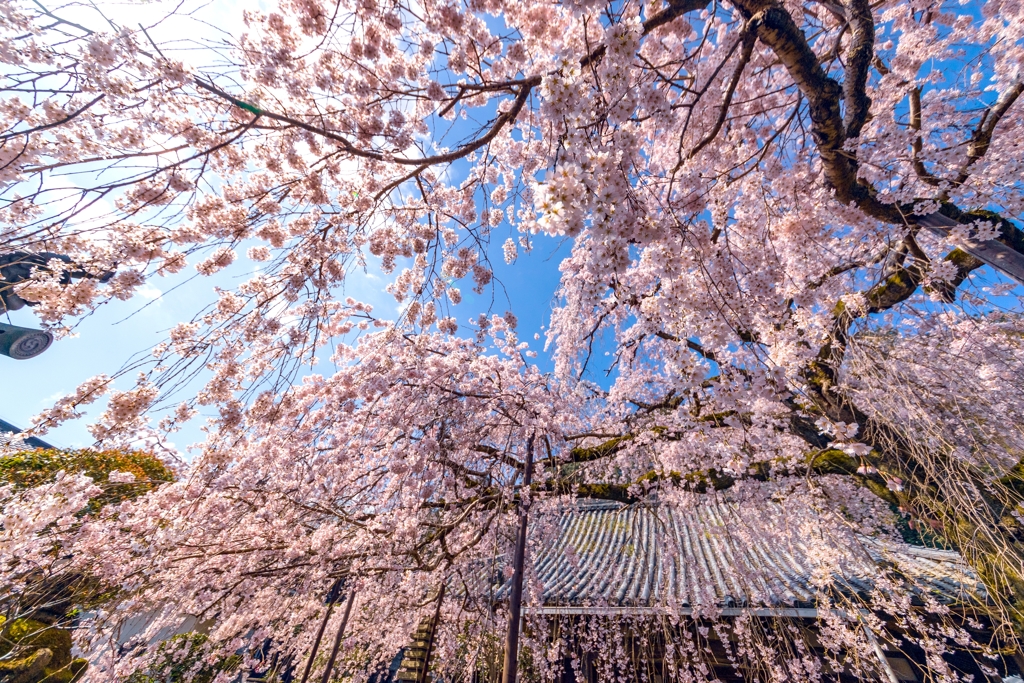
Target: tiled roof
x,y
604,555
9,431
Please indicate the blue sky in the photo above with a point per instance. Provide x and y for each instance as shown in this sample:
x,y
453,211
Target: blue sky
x,y
108,338
117,331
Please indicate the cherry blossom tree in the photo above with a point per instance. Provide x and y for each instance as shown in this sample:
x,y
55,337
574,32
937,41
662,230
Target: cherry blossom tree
x,y
43,498
796,225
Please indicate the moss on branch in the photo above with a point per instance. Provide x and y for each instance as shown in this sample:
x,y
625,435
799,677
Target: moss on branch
x,y
607,448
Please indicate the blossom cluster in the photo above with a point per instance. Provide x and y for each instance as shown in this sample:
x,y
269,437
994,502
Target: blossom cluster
x,y
743,204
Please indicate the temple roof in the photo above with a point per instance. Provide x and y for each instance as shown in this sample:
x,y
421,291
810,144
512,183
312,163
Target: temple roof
x,y
9,432
605,555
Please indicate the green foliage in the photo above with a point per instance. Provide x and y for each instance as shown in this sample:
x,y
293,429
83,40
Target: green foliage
x,y
36,648
180,659
41,653
33,468
917,532
29,633
27,669
1014,479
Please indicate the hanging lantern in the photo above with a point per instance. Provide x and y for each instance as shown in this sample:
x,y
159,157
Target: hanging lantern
x,y
22,343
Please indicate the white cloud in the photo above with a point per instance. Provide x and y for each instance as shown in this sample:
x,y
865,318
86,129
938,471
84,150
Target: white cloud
x,y
149,291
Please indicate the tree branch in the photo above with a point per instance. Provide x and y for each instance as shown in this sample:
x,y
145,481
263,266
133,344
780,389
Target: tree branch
x,y
777,30
858,62
53,124
692,345
496,127
749,39
982,137
676,9
917,145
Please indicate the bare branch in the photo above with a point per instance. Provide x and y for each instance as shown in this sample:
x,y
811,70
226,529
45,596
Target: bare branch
x,y
749,39
52,124
982,137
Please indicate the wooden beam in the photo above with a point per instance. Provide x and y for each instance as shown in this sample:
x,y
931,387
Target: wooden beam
x,y
995,254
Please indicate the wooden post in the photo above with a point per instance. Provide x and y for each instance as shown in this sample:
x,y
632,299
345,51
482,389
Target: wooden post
x,y
515,599
337,639
424,676
332,596
886,668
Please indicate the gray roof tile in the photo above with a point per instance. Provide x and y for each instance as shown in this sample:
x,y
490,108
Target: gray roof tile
x,y
647,555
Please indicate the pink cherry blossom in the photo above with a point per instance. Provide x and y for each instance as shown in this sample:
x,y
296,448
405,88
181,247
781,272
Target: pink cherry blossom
x,y
793,227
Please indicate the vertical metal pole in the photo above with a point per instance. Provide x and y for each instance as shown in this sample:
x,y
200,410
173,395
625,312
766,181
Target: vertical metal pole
x,y
515,599
332,595
890,674
337,639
